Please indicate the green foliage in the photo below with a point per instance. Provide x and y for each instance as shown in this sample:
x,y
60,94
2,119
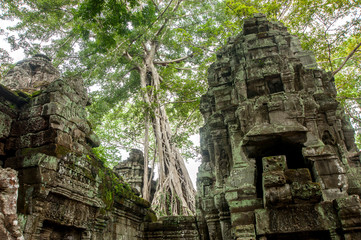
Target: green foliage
x,y
112,188
90,38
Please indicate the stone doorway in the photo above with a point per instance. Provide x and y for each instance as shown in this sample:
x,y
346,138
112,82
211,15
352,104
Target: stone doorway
x,y
53,231
275,145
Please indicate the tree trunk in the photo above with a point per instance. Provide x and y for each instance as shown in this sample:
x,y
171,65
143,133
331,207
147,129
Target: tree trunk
x,y
146,183
175,194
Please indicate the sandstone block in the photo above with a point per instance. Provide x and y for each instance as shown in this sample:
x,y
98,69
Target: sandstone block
x,y
273,179
306,192
300,175
274,163
277,196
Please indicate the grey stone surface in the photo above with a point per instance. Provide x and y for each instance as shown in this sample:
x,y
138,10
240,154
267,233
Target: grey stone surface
x,y
276,144
65,191
31,75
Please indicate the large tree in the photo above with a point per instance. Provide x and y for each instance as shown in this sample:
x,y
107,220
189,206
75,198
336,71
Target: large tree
x,y
146,58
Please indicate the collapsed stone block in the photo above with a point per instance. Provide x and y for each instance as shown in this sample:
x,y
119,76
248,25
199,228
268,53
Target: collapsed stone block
x,y
306,192
277,196
274,163
300,175
274,179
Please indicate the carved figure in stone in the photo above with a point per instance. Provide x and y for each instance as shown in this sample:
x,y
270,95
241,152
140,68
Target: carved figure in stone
x,y
31,75
224,165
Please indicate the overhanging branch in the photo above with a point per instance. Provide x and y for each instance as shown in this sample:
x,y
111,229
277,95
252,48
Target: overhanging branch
x,y
347,58
165,63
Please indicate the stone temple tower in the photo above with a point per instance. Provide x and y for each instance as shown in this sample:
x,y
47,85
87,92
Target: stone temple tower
x,y
279,159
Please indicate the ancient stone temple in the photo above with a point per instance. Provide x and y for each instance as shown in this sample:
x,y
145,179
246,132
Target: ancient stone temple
x,y
65,192
279,159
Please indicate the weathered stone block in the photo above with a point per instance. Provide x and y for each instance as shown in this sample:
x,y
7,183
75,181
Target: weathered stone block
x,y
334,181
273,179
329,166
37,139
318,151
208,205
274,163
8,108
64,139
333,193
31,125
242,218
245,205
349,201
245,232
288,220
300,175
277,196
39,159
31,112
306,192
93,140
5,125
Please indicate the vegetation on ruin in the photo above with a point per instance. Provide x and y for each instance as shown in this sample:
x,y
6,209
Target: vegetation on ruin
x,y
145,62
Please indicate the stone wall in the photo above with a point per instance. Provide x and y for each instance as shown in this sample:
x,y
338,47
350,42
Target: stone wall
x,y
65,192
173,227
279,159
132,170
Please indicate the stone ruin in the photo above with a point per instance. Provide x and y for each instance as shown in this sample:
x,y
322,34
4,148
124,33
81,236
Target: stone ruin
x,y
52,186
31,75
279,159
64,192
132,170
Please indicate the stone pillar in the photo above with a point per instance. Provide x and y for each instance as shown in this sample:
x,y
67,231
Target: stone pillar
x,y
9,223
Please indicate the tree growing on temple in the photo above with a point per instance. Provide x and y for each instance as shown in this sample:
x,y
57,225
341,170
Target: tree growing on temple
x,y
146,59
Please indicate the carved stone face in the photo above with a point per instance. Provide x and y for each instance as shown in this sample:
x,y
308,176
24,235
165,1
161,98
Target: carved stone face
x,y
136,155
31,74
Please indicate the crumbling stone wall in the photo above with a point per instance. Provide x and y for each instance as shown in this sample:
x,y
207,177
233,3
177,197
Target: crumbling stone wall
x,y
279,159
132,170
31,75
65,192
172,227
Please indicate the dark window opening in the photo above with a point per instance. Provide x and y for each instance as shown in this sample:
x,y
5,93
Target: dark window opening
x,y
274,84
275,146
55,231
264,86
